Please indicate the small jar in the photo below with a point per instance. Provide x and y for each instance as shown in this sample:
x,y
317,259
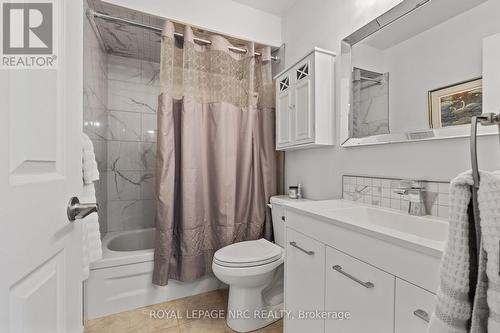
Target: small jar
x,y
293,192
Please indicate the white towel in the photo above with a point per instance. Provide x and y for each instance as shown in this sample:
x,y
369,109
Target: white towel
x,y
89,164
453,309
91,237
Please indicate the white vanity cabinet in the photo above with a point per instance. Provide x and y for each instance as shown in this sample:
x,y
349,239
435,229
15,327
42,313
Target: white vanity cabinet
x,y
331,268
305,283
413,308
363,290
305,102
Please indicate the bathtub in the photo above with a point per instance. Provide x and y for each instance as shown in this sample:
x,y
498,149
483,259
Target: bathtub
x,y
121,280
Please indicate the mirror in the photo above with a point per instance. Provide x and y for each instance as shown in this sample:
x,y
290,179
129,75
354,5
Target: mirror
x,y
415,72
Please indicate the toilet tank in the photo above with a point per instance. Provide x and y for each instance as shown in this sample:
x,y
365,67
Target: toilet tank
x,y
277,204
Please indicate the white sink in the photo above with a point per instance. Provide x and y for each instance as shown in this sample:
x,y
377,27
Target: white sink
x,y
423,227
427,233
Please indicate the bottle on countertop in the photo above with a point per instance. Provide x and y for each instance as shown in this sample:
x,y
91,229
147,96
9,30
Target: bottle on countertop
x,y
293,192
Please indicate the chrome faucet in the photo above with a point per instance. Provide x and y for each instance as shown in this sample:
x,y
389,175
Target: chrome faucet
x,y
358,192
414,192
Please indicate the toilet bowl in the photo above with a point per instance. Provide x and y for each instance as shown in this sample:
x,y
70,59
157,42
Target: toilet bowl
x,y
250,280
254,272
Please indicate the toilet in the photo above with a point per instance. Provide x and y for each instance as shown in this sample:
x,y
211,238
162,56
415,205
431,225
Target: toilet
x,y
254,272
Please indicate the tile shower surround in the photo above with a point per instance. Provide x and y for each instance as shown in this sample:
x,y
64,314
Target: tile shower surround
x,y
133,87
380,192
95,117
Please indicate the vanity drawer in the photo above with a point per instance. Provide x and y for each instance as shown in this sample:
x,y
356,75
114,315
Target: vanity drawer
x,y
363,290
304,282
413,305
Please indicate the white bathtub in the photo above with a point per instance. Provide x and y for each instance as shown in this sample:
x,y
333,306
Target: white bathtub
x,y
121,280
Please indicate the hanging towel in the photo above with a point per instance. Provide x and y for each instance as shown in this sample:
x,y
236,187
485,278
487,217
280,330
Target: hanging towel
x,y
89,164
486,311
456,311
91,237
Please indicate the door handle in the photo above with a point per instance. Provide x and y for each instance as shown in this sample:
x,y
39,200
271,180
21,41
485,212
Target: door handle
x,y
421,314
367,284
78,211
309,253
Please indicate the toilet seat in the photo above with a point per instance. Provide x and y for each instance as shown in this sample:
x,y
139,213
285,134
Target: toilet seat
x,y
248,254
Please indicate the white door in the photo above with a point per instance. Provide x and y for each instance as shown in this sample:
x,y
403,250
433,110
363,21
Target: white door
x,y
284,113
40,169
303,105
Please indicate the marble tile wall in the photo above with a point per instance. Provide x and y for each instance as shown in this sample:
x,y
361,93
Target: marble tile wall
x,y
380,192
133,87
95,117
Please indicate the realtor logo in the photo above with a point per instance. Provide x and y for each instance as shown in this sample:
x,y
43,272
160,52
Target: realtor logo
x,y
28,35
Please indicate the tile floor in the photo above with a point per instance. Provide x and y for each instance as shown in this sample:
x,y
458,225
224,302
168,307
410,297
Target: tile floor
x,y
140,321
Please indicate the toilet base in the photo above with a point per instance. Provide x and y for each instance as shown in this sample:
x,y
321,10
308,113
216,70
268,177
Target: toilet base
x,y
247,310
255,294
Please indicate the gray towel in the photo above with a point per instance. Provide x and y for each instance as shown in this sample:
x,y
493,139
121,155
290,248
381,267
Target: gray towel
x,y
453,312
486,313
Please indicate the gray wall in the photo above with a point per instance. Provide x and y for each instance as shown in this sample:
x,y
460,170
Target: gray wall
x,y
324,23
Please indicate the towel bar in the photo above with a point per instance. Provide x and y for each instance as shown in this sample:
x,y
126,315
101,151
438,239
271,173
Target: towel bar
x,y
485,119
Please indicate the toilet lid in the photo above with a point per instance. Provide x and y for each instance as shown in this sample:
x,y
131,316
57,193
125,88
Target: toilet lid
x,y
248,253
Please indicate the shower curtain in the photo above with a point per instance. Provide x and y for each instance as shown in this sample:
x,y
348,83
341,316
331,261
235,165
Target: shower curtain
x,y
216,164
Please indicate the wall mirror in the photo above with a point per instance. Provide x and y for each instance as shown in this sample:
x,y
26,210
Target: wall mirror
x,y
416,72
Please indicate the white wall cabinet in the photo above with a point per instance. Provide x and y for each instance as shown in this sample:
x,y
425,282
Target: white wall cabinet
x,y
329,269
305,102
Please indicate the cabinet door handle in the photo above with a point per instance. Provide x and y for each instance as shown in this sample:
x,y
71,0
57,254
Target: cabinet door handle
x,y
421,314
283,218
368,284
294,244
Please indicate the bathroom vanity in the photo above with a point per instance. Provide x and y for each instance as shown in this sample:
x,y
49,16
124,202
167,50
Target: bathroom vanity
x,y
380,265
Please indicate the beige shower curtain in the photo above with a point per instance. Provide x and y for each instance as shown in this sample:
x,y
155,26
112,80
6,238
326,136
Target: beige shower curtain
x,y
216,164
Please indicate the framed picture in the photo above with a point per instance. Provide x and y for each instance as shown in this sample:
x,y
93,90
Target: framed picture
x,y
456,104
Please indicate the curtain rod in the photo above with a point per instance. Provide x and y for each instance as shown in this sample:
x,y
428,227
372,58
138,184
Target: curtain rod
x,y
93,13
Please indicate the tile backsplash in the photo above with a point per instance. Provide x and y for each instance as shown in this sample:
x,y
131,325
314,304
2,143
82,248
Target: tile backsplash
x,y
381,192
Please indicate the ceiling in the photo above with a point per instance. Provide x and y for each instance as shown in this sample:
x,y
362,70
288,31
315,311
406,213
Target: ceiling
x,y
276,7
417,21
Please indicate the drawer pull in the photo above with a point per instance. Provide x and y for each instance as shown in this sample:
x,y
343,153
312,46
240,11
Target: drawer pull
x,y
421,314
294,244
368,284
283,218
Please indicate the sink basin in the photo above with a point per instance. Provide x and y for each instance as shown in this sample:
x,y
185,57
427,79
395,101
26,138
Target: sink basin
x,y
423,227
